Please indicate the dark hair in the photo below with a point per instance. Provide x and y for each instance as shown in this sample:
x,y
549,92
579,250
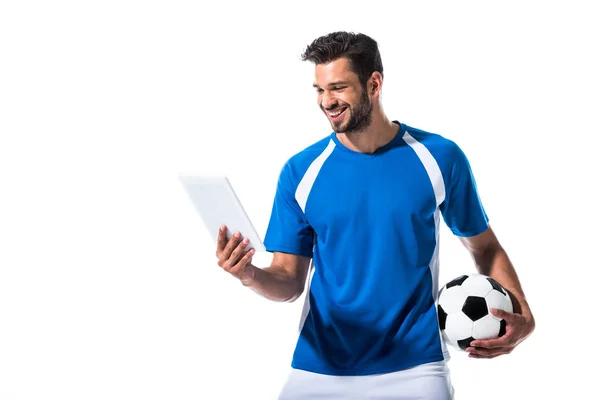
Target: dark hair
x,y
361,51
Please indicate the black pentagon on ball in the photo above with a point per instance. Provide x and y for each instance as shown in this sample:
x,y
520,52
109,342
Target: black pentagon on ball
x,y
502,328
463,344
475,307
442,317
457,281
496,286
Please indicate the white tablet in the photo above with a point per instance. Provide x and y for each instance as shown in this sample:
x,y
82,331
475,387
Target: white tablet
x,y
217,204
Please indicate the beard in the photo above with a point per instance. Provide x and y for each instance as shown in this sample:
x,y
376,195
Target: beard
x,y
359,116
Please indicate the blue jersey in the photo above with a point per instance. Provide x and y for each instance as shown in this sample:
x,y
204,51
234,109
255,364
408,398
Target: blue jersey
x,y
370,223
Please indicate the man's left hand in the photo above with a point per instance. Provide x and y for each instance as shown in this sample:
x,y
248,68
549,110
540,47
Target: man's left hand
x,y
518,328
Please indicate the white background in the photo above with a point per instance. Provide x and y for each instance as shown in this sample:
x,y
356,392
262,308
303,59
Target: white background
x,y
109,287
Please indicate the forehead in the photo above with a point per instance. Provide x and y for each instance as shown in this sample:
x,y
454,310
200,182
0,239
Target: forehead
x,y
334,71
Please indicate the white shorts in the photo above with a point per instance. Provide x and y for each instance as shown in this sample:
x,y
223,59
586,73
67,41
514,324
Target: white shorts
x,y
429,381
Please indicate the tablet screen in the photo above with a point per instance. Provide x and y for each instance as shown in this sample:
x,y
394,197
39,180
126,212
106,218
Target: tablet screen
x,y
216,202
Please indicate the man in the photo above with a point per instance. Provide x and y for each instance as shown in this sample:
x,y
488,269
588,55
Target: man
x,y
364,204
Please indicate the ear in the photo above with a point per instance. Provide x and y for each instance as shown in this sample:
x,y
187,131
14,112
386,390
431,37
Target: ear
x,y
374,83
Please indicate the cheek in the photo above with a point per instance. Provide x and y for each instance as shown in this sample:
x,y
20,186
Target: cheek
x,y
347,100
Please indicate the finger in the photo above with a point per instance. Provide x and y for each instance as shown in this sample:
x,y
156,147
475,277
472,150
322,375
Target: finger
x,y
505,315
482,356
503,341
478,352
238,252
231,245
240,266
221,239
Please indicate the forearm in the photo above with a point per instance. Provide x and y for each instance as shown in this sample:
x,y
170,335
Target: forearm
x,y
274,283
495,263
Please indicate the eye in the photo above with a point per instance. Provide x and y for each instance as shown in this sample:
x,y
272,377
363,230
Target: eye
x,y
319,90
339,88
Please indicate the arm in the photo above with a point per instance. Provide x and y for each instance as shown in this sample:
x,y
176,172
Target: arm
x,y
289,236
492,260
282,281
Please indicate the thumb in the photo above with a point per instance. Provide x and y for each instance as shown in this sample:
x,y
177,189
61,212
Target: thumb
x,y
498,312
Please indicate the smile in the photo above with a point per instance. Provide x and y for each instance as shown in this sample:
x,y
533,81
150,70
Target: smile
x,y
337,114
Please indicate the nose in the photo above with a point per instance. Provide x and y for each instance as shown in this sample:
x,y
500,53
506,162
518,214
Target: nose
x,y
328,101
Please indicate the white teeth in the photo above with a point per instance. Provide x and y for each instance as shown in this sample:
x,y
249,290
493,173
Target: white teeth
x,y
336,113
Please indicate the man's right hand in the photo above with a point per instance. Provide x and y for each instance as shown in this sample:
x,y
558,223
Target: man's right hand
x,y
233,257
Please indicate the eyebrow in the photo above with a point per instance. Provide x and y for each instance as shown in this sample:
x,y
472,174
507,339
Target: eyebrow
x,y
336,83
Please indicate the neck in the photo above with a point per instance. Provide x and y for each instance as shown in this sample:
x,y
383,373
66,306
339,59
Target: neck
x,y
380,132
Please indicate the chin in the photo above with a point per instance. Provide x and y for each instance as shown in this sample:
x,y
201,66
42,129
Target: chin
x,y
339,128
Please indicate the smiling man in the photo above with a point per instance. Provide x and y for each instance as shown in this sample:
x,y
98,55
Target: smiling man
x,y
355,226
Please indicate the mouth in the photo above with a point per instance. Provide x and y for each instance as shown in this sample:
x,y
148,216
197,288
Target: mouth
x,y
337,114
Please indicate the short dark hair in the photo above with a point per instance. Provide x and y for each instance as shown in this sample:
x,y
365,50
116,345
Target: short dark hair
x,y
361,51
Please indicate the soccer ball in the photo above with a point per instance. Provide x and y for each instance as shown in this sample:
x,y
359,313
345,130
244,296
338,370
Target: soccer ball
x,y
464,309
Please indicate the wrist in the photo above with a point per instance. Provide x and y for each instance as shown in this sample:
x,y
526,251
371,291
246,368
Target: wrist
x,y
248,278
529,319
525,311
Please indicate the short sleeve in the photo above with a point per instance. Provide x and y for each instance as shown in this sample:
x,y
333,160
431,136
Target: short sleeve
x,y
288,230
462,208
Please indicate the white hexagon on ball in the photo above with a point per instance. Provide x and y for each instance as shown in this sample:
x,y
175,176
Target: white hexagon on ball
x,y
452,299
487,327
458,327
496,299
477,285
